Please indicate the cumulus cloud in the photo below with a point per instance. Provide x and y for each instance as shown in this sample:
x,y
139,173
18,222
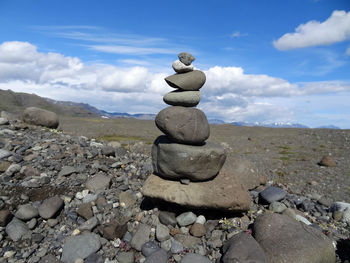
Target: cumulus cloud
x,y
229,93
314,33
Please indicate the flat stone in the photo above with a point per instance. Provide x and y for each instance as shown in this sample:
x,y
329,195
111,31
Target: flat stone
x,y
286,240
186,58
40,117
185,219
80,246
195,258
272,194
160,256
187,240
50,207
85,211
149,248
243,248
127,198
26,212
4,121
182,98
4,153
183,125
167,218
125,257
190,81
5,217
89,224
66,170
224,192
141,236
176,161
16,229
180,67
98,182
162,232
327,161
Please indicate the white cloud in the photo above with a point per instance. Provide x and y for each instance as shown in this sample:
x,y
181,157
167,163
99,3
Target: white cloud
x,y
314,33
229,93
238,34
348,51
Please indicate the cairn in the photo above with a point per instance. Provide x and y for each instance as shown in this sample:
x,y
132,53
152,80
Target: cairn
x,y
186,166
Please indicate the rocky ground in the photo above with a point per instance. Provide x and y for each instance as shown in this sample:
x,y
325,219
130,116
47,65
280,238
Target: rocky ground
x,y
70,198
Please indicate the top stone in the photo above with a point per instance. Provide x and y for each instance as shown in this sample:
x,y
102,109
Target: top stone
x,y
186,58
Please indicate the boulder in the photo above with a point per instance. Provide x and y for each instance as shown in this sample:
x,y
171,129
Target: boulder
x,y
224,192
192,80
327,161
243,248
182,98
183,125
287,240
197,163
40,117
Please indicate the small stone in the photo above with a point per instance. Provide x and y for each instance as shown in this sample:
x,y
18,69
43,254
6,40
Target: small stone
x,y
198,230
162,232
125,257
13,168
180,67
187,240
126,198
289,212
66,170
26,212
16,229
302,219
80,246
327,161
160,256
167,218
149,248
50,207
5,217
277,207
4,166
176,247
166,245
194,258
4,121
52,222
98,182
346,216
4,154
186,58
49,259
182,98
189,81
201,219
271,194
185,219
114,229
141,236
89,224
327,202
85,211
94,258
32,223
337,215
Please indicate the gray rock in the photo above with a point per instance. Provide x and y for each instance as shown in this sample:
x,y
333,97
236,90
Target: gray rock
x,y
243,248
183,125
13,168
346,216
50,207
4,121
182,98
186,58
194,258
167,218
176,161
16,229
26,212
66,170
160,256
80,246
89,224
286,240
187,240
4,153
272,194
176,247
277,207
98,182
125,257
193,80
162,232
339,206
141,236
180,67
94,258
40,117
149,248
49,259
185,219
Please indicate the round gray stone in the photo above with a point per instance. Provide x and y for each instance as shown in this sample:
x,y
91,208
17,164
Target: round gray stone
x,y
277,207
182,98
149,248
183,125
192,80
176,161
185,219
50,207
162,232
195,258
167,218
40,117
186,58
160,256
16,229
180,67
272,194
26,212
80,246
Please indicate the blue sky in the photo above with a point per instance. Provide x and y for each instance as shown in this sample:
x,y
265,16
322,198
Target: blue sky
x,y
266,61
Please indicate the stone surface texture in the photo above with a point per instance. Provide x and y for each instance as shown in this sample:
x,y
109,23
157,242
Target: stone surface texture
x,y
40,117
180,67
193,80
182,98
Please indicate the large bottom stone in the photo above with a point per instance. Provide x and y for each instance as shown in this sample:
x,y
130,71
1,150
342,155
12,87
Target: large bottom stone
x,y
224,192
176,161
287,240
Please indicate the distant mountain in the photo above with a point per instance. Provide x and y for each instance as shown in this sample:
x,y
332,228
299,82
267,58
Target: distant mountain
x,y
216,121
328,127
271,125
140,116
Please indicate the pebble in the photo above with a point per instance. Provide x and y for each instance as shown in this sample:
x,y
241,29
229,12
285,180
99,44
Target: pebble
x,y
16,229
13,168
50,207
180,67
197,230
185,219
66,170
26,212
4,153
201,219
160,256
302,219
176,247
141,236
167,218
4,121
149,248
125,257
277,207
272,194
162,232
194,258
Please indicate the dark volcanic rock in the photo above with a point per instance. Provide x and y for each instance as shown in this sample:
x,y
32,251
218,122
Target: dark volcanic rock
x,y
197,163
40,117
184,125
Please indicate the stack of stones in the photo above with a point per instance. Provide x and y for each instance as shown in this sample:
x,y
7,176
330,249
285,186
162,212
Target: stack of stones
x,y
185,165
